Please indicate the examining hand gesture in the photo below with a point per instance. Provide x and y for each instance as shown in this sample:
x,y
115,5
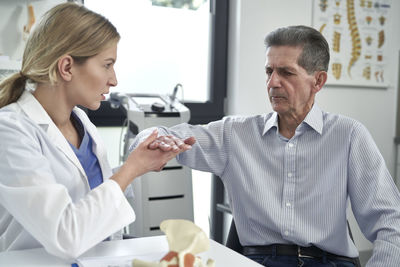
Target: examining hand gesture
x,y
151,155
171,143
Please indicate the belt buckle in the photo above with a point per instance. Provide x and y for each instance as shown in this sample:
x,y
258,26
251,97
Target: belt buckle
x,y
300,255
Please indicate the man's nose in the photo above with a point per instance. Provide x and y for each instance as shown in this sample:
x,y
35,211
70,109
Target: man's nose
x,y
273,80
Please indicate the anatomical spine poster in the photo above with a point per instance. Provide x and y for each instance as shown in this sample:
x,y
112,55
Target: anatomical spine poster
x,y
356,31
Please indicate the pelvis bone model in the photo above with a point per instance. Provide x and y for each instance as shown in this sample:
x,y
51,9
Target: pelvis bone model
x,y
185,240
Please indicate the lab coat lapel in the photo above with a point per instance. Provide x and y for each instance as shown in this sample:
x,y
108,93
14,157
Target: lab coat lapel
x,y
36,112
62,144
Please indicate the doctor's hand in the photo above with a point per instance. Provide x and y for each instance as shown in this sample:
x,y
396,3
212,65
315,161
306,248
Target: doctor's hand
x,y
144,159
172,143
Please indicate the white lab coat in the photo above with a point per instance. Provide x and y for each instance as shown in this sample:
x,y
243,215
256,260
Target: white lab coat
x,y
45,198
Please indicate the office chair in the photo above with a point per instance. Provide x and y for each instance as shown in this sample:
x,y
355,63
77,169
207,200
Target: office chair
x,y
233,242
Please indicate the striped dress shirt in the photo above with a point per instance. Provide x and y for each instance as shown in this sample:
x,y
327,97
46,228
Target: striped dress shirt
x,y
296,191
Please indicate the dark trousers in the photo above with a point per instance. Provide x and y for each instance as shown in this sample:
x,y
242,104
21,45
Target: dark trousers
x,y
295,261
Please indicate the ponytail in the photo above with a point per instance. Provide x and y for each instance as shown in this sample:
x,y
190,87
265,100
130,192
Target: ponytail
x,y
11,88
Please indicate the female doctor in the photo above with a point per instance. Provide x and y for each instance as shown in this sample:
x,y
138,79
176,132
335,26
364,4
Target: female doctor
x,y
56,186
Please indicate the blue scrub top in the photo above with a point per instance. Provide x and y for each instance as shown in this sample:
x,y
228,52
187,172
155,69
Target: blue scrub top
x,y
85,154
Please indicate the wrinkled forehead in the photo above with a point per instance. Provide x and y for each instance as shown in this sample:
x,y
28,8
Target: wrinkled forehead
x,y
279,56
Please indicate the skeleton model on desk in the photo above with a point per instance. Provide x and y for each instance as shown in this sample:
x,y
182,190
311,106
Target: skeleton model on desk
x,y
185,240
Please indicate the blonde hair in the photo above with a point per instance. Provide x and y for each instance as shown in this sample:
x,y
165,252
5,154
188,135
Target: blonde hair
x,y
66,29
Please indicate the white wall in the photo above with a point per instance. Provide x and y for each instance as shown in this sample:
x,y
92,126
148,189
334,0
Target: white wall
x,y
13,17
251,20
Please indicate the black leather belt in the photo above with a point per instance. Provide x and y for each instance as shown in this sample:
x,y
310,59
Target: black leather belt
x,y
293,250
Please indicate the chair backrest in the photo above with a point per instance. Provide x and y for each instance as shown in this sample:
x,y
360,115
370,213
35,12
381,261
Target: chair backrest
x,y
233,242
358,263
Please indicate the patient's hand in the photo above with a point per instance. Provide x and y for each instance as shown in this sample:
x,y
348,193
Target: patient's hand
x,y
172,143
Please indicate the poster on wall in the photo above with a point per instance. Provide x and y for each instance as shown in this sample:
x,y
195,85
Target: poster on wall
x,y
356,31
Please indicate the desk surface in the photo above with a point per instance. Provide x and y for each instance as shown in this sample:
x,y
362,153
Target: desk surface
x,y
141,248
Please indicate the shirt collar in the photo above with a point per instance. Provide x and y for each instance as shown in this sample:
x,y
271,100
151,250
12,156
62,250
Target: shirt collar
x,y
313,119
271,122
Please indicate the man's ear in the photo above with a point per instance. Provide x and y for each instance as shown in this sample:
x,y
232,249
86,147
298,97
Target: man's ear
x,y
64,67
320,80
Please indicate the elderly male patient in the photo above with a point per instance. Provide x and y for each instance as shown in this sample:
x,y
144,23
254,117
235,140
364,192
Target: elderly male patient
x,y
291,174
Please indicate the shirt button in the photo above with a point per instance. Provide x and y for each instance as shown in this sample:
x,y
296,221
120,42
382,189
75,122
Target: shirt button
x,y
289,174
286,233
288,204
291,145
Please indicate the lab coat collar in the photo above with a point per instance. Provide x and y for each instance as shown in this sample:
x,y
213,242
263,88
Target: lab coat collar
x,y
314,119
35,111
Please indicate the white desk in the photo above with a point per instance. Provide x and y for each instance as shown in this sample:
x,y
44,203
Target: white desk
x,y
141,248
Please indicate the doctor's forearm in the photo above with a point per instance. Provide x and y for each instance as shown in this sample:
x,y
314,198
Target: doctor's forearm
x,y
125,175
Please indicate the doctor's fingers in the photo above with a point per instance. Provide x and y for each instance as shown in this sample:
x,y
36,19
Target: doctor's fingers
x,y
174,148
190,141
161,158
169,142
162,145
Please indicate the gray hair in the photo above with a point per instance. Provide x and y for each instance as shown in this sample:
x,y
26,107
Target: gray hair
x,y
315,54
